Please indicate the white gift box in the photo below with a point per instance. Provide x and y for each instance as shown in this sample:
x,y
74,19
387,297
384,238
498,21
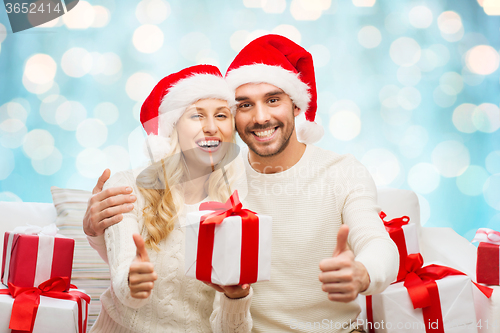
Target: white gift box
x,y
226,260
393,309
53,315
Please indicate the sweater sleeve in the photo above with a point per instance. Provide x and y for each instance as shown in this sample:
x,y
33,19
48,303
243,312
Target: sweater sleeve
x,y
368,238
231,315
98,244
121,249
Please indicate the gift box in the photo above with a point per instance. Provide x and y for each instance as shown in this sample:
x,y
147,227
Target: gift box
x,y
433,298
228,245
488,256
57,311
32,255
405,235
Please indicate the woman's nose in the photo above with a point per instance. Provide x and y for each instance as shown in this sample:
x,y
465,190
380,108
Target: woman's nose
x,y
209,126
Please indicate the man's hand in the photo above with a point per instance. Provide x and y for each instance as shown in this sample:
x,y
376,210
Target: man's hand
x,y
343,278
232,291
141,275
105,208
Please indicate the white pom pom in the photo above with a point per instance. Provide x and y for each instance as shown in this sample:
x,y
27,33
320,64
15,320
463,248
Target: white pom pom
x,y
156,147
309,132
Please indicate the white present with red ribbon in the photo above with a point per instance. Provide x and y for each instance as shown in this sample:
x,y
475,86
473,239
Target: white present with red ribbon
x,y
33,254
228,245
43,309
405,235
433,298
488,256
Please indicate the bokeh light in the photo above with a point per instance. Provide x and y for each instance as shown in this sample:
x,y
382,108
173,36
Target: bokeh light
x,y
308,10
40,69
289,31
274,7
482,59
453,82
91,162
38,144
192,44
462,118
48,165
76,62
420,17
369,37
423,178
139,85
3,33
492,162
364,3
486,117
383,165
472,180
117,158
444,96
101,17
451,158
8,162
80,17
12,133
409,98
345,125
491,191
91,133
152,11
148,38
70,114
405,51
106,112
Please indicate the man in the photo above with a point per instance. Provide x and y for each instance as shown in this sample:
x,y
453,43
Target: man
x,y
325,217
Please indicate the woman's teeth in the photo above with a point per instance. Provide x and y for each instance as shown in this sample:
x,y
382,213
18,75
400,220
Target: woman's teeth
x,y
209,143
264,134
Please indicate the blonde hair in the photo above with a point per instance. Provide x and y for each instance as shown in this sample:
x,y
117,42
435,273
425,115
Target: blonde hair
x,y
165,199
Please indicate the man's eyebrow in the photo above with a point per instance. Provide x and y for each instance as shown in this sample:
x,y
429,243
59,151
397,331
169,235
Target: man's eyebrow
x,y
274,93
271,93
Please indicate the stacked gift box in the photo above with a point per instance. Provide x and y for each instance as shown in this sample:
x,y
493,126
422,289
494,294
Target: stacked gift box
x,y
37,294
432,297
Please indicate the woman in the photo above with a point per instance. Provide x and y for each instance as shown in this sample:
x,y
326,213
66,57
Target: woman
x,y
189,119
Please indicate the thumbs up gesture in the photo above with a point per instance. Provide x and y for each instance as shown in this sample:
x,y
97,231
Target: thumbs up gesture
x,y
343,277
141,275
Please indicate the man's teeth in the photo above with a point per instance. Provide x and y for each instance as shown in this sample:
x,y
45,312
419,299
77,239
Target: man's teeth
x,y
209,143
264,134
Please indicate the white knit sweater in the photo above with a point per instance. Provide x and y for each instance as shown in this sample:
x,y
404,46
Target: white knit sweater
x,y
177,303
308,204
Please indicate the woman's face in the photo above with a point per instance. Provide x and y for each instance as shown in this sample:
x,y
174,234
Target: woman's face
x,y
202,129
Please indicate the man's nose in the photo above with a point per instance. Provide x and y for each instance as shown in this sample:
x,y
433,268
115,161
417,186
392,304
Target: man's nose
x,y
261,115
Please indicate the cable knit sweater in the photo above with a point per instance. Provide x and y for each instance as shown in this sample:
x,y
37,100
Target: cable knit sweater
x,y
177,303
308,203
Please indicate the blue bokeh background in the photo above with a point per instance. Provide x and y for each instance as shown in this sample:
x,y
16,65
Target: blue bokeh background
x,y
411,88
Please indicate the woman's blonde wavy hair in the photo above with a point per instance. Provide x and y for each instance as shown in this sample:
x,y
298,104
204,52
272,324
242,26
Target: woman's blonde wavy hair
x,y
165,199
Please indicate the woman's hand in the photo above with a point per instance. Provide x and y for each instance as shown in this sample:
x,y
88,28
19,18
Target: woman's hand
x,y
238,291
141,275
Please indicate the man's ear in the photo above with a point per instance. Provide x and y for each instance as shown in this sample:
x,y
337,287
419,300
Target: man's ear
x,y
296,110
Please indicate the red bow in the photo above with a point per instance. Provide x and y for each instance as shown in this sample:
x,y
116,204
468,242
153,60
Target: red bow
x,y
27,301
249,241
233,206
394,224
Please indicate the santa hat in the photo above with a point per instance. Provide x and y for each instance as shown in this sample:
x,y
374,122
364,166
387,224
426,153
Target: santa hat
x,y
172,96
278,61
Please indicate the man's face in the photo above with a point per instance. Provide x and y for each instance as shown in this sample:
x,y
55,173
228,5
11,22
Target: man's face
x,y
265,118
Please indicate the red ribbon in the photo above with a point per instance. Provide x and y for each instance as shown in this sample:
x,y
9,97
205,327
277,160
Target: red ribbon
x,y
249,241
394,228
423,291
27,300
